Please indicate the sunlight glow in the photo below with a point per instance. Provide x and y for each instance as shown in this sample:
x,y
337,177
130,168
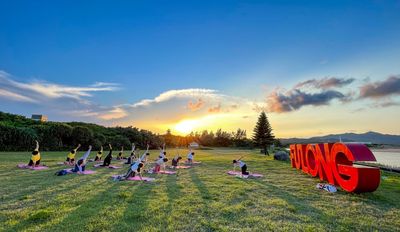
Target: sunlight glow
x,y
187,126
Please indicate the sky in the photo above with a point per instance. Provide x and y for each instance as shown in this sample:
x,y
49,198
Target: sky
x,y
315,67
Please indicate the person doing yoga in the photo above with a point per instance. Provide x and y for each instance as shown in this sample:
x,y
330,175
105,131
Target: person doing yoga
x,y
35,158
99,154
132,157
71,156
242,165
190,156
81,164
121,154
107,160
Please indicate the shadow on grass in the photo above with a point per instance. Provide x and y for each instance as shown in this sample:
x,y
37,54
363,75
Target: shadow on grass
x,y
41,216
134,217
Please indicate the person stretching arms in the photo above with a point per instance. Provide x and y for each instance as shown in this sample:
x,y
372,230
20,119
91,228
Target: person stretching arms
x,y
35,159
71,156
242,166
120,154
143,158
134,169
132,156
99,154
190,156
163,153
81,164
107,160
175,161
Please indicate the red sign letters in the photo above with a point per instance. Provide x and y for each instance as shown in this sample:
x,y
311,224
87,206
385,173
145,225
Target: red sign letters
x,y
334,163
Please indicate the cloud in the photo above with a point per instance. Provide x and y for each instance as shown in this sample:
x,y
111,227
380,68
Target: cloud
x,y
215,109
326,83
193,106
40,91
116,113
381,89
180,93
15,96
295,99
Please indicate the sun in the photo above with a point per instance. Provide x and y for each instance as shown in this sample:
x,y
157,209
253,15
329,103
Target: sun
x,y
186,126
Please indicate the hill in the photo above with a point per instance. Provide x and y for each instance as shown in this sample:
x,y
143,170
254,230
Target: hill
x,y
369,137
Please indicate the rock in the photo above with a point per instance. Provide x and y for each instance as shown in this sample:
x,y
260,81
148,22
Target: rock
x,y
282,156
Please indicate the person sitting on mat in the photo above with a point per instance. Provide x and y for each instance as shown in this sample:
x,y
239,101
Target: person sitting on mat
x,y
242,166
71,156
190,156
120,154
107,160
175,161
132,157
35,159
81,164
99,154
160,162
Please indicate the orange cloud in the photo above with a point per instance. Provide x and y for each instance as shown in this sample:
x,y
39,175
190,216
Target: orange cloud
x,y
193,106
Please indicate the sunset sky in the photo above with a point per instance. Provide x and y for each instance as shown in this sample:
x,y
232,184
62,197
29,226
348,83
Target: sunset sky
x,y
315,67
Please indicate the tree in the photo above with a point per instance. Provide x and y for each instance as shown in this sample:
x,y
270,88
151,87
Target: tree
x,y
263,136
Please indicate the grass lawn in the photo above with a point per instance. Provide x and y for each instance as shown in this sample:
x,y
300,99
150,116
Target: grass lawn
x,y
202,198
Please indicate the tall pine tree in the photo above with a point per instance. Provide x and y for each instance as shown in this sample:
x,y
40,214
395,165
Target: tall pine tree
x,y
263,136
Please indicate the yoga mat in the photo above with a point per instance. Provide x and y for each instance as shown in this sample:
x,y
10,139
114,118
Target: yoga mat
x,y
86,172
239,173
25,166
167,172
111,166
180,167
137,178
194,162
62,163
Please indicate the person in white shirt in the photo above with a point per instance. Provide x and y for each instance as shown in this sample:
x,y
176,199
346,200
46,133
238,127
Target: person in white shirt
x,y
242,165
163,153
190,156
160,162
143,158
133,170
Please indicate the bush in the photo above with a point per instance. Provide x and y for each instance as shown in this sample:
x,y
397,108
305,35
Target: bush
x,y
282,156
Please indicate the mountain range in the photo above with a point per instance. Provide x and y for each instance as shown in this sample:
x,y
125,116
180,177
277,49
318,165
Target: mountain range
x,y
369,137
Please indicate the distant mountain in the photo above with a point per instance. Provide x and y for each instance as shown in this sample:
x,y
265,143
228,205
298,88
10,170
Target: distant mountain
x,y
372,137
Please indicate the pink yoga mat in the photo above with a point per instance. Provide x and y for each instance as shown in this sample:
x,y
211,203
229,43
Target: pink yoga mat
x,y
86,172
194,162
111,166
137,178
180,167
62,163
239,173
35,168
167,172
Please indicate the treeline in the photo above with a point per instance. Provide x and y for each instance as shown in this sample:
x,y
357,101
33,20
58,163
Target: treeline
x,y
209,139
18,133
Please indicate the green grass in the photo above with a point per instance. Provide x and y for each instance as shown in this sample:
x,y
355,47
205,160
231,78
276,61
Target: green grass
x,y
203,198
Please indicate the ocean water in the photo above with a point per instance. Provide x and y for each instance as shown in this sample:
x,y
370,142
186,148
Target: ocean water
x,y
388,157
